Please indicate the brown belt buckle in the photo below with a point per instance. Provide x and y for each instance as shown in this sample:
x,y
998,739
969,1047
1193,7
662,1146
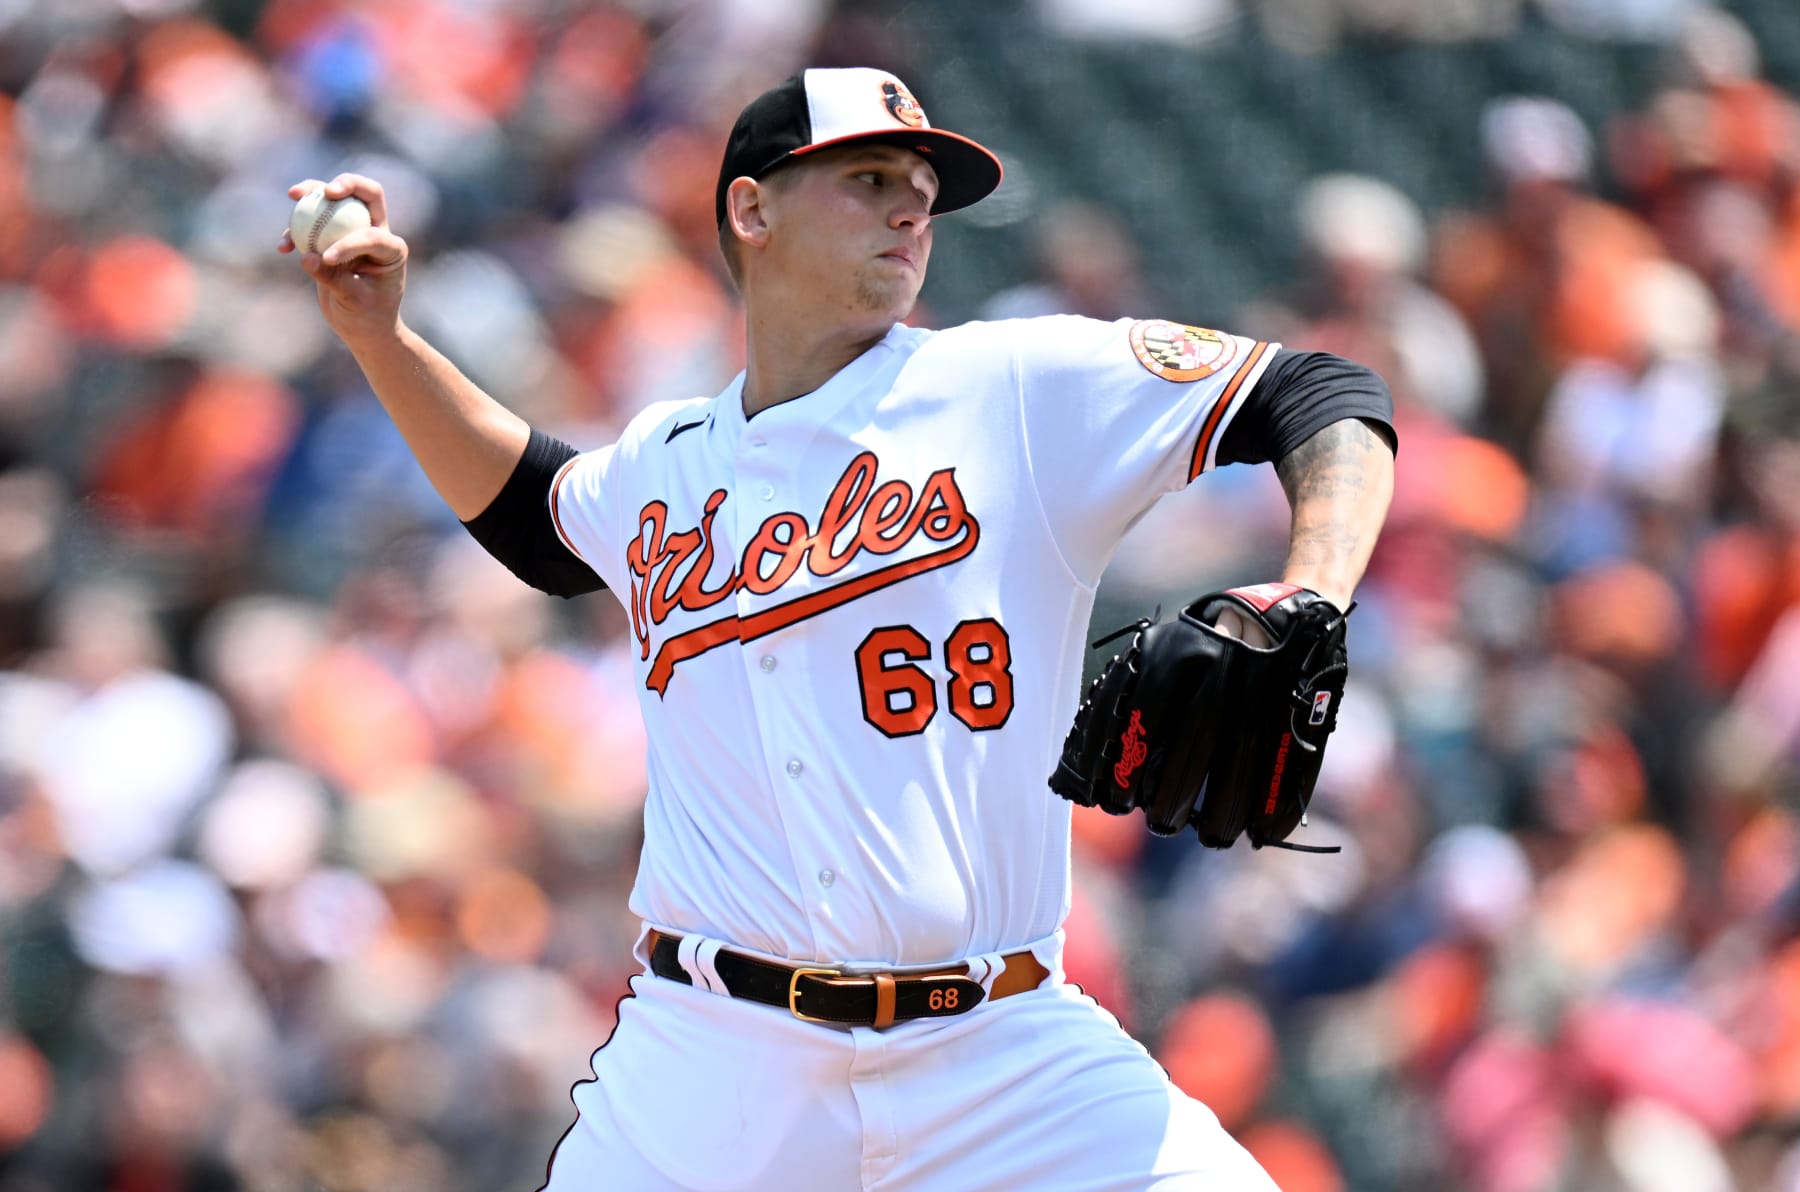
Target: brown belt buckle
x,y
794,991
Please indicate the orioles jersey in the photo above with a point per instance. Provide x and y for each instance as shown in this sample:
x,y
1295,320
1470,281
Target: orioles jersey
x,y
859,621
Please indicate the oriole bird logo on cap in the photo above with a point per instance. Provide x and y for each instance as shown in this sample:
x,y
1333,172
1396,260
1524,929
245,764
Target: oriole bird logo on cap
x,y
901,105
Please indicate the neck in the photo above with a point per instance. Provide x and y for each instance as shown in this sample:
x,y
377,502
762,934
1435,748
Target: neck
x,y
784,361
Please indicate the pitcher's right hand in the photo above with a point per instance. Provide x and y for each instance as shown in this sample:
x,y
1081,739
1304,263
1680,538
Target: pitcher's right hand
x,y
362,277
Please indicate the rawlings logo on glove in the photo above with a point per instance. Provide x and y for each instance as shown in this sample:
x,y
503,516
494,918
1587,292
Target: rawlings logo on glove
x,y
1134,750
1198,727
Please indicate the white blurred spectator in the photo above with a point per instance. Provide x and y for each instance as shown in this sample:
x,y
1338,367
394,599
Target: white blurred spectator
x,y
1362,757
330,915
1757,735
1646,431
1242,907
167,918
242,322
1351,217
1371,239
267,827
1656,1148
1526,138
389,987
1182,22
606,250
223,1017
1480,880
253,650
30,501
1622,20
36,355
426,824
1714,49
538,1017
486,319
136,749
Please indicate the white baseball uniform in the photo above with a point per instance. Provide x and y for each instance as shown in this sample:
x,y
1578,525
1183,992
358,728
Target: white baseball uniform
x,y
861,618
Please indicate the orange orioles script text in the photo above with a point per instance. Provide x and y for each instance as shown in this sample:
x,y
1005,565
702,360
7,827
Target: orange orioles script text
x,y
669,570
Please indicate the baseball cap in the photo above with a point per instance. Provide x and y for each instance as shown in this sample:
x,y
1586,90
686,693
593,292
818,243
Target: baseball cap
x,y
820,109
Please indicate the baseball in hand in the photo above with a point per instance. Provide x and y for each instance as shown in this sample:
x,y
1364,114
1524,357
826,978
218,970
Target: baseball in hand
x,y
319,222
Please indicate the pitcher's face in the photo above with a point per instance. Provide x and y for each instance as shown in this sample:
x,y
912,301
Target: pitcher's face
x,y
851,227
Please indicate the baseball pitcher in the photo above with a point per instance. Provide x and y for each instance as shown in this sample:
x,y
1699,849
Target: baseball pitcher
x,y
859,581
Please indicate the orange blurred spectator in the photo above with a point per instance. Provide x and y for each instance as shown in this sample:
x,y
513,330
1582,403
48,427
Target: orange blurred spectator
x,y
201,462
1547,278
1744,579
503,916
1616,897
18,241
1715,117
26,1088
1295,1158
1220,1049
351,720
455,57
1436,998
1777,1042
1784,273
1621,614
136,292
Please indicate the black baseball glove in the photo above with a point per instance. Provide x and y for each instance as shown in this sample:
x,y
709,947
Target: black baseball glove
x,y
1198,727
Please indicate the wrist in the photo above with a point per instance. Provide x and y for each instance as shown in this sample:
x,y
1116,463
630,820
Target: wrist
x,y
380,341
1336,590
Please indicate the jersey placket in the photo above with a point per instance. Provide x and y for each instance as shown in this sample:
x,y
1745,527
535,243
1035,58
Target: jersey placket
x,y
775,665
776,470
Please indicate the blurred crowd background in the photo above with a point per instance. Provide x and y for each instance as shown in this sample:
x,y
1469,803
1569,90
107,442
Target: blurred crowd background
x,y
316,827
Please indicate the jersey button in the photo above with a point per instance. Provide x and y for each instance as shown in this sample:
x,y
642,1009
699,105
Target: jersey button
x,y
826,877
794,768
768,492
768,662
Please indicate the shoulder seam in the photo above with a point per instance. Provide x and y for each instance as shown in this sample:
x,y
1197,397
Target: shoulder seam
x,y
1227,404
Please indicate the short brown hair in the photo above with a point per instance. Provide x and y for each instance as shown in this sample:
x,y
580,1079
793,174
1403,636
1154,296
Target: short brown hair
x,y
729,244
732,250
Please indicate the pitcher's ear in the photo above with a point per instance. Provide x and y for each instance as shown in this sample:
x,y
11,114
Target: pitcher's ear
x,y
747,212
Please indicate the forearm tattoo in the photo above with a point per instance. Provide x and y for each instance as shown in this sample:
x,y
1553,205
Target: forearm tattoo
x,y
1335,483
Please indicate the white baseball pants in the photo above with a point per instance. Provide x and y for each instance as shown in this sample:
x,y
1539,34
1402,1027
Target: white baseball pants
x,y
1040,1091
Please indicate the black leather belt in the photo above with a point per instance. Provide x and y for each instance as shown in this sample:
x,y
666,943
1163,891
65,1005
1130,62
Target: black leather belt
x,y
849,999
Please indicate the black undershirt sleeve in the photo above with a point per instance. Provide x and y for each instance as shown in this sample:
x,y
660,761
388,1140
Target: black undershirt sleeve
x,y
1300,394
516,527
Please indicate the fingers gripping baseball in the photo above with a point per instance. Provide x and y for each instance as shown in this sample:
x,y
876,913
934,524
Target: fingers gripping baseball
x,y
361,277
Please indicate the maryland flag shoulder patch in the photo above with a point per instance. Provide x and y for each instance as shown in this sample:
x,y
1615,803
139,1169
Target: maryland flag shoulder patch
x,y
1178,352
